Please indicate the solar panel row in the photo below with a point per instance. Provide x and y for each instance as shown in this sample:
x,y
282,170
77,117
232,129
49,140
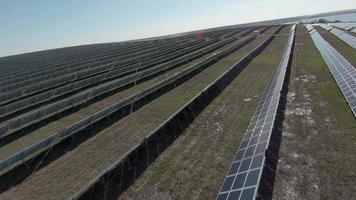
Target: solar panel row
x,y
20,68
91,74
114,62
44,63
71,56
244,177
326,27
309,27
346,26
343,72
47,79
347,38
94,54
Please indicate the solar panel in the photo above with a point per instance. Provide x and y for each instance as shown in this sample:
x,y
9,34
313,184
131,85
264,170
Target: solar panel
x,y
309,27
326,27
347,38
345,26
53,139
353,30
243,179
343,72
17,123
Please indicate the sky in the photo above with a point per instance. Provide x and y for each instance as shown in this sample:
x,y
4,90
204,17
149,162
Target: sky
x,y
32,25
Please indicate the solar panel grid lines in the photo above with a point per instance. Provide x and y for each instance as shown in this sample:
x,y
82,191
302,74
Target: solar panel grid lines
x,y
245,173
343,72
67,131
347,77
342,35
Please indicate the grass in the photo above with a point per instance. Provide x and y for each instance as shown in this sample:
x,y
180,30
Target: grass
x,y
57,180
316,155
194,166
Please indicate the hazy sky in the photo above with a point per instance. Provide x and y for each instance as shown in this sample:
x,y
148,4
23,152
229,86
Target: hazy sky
x,y
30,25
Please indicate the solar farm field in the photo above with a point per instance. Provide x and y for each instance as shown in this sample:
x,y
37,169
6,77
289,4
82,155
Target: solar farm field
x,y
255,112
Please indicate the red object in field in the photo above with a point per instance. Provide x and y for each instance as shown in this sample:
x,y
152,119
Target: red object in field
x,y
198,36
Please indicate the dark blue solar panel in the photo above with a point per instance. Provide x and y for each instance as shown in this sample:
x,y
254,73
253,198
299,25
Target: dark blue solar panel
x,y
239,181
227,183
222,196
257,161
248,194
234,195
234,168
252,178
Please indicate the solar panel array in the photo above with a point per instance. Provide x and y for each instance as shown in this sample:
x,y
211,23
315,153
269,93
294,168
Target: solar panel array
x,y
72,56
53,90
346,26
45,62
347,38
53,139
31,117
98,66
28,83
216,86
343,72
310,28
85,78
244,177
